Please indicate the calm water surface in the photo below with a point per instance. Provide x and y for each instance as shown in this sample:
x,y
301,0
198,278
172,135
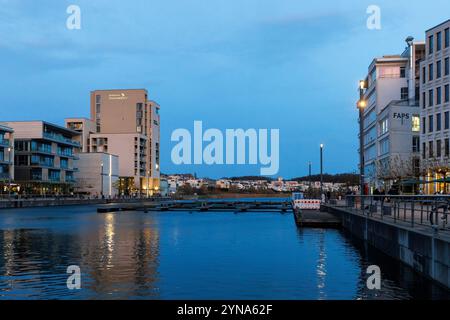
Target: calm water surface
x,y
182,255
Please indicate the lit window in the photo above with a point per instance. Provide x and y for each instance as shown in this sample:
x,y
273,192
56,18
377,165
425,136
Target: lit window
x,y
416,123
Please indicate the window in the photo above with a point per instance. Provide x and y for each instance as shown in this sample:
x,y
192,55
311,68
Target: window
x,y
447,38
424,75
438,95
438,122
424,100
438,148
424,153
430,72
430,98
446,147
446,120
384,126
384,146
404,93
416,123
430,44
402,72
438,69
438,41
415,144
424,125
447,66
430,123
430,149
446,93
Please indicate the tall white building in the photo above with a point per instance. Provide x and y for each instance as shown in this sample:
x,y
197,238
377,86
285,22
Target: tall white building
x,y
392,118
435,108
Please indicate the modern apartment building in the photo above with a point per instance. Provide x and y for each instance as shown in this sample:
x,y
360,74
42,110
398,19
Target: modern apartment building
x,y
44,155
392,118
435,108
127,124
85,127
6,157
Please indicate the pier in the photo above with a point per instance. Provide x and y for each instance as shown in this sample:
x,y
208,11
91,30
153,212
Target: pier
x,y
266,205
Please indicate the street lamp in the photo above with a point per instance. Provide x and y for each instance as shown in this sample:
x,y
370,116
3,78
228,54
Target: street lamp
x,y
148,183
9,171
101,192
321,169
309,169
361,105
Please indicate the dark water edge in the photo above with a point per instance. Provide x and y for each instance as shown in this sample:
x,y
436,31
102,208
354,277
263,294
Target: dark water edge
x,y
182,255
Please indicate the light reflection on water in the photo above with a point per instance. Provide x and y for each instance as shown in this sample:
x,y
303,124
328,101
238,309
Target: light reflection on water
x,y
135,255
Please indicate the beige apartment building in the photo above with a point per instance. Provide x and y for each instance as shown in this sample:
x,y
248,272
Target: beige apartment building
x,y
435,109
44,157
126,124
6,158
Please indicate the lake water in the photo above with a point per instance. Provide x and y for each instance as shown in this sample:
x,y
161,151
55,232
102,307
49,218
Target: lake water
x,y
182,255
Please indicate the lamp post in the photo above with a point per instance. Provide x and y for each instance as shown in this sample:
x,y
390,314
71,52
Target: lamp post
x,y
309,169
101,192
9,172
148,183
321,170
362,104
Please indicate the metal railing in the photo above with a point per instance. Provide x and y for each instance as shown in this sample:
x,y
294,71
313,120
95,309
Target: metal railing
x,y
413,211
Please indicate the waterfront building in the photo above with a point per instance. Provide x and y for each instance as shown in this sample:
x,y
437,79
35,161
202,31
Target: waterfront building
x,y
435,109
6,158
44,155
85,127
392,119
127,125
97,174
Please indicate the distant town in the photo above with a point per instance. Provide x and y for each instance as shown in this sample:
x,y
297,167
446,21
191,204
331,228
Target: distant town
x,y
188,184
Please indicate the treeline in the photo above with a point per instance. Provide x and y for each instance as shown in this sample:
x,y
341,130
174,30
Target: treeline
x,y
348,178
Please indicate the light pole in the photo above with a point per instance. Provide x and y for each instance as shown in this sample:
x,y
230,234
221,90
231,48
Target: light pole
x,y
9,172
321,170
101,192
148,183
362,104
309,188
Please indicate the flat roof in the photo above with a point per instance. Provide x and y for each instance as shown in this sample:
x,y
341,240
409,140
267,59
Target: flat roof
x,y
437,26
5,128
119,90
76,133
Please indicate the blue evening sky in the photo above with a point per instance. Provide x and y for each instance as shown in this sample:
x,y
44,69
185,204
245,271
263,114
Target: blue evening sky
x,y
287,64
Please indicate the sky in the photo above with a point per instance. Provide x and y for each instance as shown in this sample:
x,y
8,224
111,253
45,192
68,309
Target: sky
x,y
291,65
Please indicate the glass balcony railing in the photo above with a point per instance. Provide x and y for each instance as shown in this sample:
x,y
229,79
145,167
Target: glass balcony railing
x,y
4,143
61,138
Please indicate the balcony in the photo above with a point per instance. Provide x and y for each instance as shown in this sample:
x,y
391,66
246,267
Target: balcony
x,y
60,138
4,176
4,143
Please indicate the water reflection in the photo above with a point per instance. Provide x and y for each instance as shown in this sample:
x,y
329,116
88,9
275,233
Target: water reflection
x,y
133,255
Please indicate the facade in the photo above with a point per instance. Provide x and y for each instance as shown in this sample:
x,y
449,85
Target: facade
x,y
6,157
97,174
127,124
44,156
435,108
85,127
392,118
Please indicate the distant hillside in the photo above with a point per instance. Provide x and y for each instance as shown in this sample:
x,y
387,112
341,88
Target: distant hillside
x,y
350,178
